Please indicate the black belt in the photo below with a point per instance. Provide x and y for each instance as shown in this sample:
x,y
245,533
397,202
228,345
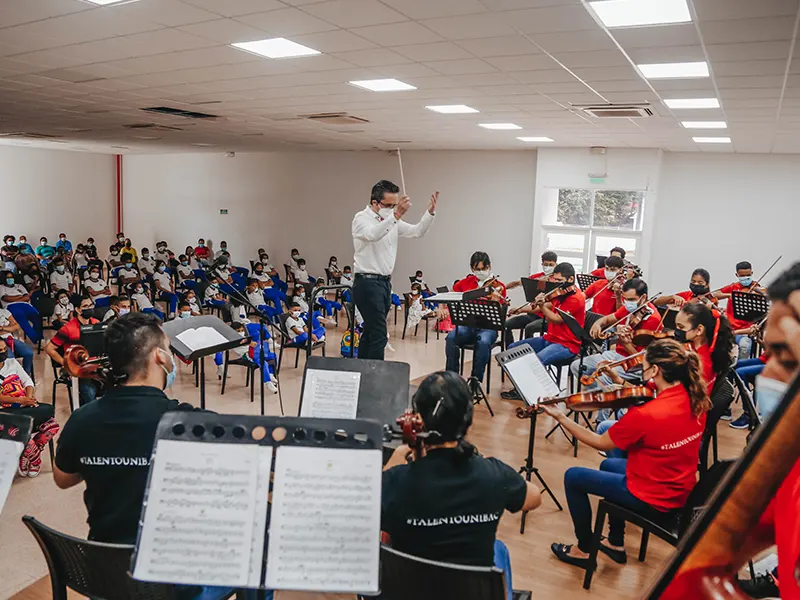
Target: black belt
x,y
374,276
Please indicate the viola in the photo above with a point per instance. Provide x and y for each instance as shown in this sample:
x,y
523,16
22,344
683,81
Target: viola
x,y
645,337
623,397
626,364
412,428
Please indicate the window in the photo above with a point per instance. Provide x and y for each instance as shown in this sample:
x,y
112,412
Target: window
x,y
582,224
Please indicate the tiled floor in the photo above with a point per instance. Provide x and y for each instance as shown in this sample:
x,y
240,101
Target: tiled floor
x,y
504,436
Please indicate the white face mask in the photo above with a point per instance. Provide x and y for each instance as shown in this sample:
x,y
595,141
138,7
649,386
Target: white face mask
x,y
63,301
124,311
769,393
192,300
610,274
295,315
548,270
94,276
482,275
386,213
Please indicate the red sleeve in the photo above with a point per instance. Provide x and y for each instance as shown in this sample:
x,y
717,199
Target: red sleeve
x,y
537,275
61,337
687,295
599,273
627,432
463,285
594,289
728,288
620,313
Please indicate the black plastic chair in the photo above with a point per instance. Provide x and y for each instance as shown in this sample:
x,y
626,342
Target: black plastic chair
x,y
670,527
426,319
61,381
96,570
249,378
286,342
404,577
722,397
748,404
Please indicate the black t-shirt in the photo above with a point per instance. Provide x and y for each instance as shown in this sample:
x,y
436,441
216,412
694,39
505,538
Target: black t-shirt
x,y
448,510
109,442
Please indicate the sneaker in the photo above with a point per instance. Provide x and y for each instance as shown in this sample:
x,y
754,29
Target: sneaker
x,y
34,467
390,348
47,432
272,387
221,371
763,586
743,422
272,378
31,453
63,377
727,415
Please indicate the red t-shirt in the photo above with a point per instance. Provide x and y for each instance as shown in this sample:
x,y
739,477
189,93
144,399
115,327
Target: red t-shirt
x,y
652,323
203,252
601,272
537,275
70,333
559,333
782,516
704,352
605,301
470,282
735,323
662,438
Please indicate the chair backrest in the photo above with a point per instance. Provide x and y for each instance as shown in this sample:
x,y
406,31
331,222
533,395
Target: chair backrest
x,y
349,309
92,569
748,404
44,304
442,290
701,494
404,577
721,399
282,321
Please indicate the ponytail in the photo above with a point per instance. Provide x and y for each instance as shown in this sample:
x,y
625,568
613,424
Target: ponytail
x,y
678,364
696,385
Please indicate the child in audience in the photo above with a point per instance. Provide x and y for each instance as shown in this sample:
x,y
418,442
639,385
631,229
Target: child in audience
x,y
60,278
184,310
251,353
165,287
268,286
44,252
295,256
114,259
128,247
9,253
11,328
90,244
298,329
62,311
11,291
146,264
329,307
64,244
143,302
299,298
32,279
300,273
24,246
162,253
214,297
223,250
191,300
347,279
333,269
184,271
96,287
189,253
92,261
416,311
202,253
118,306
263,258
256,297
79,259
128,274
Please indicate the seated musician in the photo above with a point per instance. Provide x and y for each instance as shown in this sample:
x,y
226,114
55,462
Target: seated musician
x,y
525,317
605,294
741,328
615,251
482,339
634,295
698,290
446,505
559,344
662,438
710,334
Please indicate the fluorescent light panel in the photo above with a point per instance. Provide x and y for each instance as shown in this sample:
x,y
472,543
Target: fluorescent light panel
x,y
684,70
452,109
534,139
383,85
499,126
711,140
689,103
704,124
637,13
276,48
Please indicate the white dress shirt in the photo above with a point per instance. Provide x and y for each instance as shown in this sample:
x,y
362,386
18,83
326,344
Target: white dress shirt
x,y
375,240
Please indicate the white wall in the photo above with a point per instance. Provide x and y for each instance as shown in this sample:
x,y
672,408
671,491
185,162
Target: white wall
x,y
45,192
307,200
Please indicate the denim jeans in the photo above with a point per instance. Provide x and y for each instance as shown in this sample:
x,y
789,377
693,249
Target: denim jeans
x,y
748,368
609,483
548,352
483,340
23,351
745,343
87,391
616,452
171,299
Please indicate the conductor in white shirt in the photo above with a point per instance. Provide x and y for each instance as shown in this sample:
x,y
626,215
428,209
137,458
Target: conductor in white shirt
x,y
375,233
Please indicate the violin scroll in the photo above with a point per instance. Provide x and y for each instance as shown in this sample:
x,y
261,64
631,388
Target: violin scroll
x,y
78,363
412,426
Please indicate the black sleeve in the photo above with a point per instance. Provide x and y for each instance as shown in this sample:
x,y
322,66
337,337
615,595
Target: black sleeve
x,y
513,485
388,495
68,452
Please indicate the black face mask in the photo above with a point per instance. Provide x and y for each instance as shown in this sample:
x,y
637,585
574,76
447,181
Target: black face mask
x,y
3,357
680,336
87,313
698,289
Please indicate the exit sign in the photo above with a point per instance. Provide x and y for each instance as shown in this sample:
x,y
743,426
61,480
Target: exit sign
x,y
593,180
223,211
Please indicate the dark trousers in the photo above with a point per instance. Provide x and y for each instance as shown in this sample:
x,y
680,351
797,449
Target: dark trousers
x,y
532,324
372,297
40,414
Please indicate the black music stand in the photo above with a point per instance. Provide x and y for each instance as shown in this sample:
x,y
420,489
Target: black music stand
x,y
93,338
587,343
586,279
234,340
532,289
668,317
480,315
526,358
749,306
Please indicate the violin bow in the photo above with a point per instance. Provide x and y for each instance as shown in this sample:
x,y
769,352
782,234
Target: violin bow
x,y
758,281
402,175
630,314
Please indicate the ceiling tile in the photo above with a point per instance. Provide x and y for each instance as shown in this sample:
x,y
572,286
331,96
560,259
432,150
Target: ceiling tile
x,y
398,34
27,12
354,13
749,30
668,54
460,67
224,31
286,22
434,51
429,9
718,10
572,17
499,46
587,41
334,41
608,58
471,26
166,12
749,67
375,57
763,81
653,37
501,5
752,51
235,8
523,63
166,40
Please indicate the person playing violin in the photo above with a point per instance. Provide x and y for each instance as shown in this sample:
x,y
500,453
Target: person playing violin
x,y
482,339
662,438
525,317
698,291
605,293
615,251
741,328
447,503
710,334
559,344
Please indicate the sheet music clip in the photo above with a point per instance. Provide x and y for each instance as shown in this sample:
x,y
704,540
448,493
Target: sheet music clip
x,y
15,431
749,306
586,279
212,517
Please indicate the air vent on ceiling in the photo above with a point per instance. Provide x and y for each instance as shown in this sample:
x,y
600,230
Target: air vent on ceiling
x,y
397,142
152,126
616,111
340,118
179,112
32,135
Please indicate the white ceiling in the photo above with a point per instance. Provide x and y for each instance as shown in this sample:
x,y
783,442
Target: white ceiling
x,y
71,69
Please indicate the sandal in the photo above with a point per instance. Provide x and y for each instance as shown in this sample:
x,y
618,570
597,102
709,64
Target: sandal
x,y
562,553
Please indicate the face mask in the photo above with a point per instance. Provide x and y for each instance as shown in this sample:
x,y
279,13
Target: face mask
x,y
295,254
128,265
630,305
386,213
680,336
415,292
120,238
333,262
192,300
347,275
610,274
769,393
94,276
89,245
23,242
482,275
86,313
115,253
161,248
44,242
63,301
295,315
302,267
259,271
162,268
60,268
11,243
186,314
698,289
63,239
548,270
170,374
746,281
223,248
185,263
10,281
124,311
145,256
201,245
3,356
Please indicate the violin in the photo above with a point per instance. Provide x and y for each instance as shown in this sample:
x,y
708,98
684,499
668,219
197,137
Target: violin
x,y
623,397
565,289
645,337
412,430
628,363
77,363
642,312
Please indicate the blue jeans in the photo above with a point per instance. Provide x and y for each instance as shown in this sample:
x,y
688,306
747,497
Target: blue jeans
x,y
154,311
502,560
548,352
616,452
281,285
748,368
28,318
171,299
745,343
482,339
25,352
609,483
87,391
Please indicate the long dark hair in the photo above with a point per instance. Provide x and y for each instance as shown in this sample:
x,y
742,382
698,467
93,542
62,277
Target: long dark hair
x,y
445,404
679,364
718,331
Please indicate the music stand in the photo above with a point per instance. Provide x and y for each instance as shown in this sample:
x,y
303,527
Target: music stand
x,y
749,306
233,340
15,431
442,289
586,279
532,382
93,338
532,289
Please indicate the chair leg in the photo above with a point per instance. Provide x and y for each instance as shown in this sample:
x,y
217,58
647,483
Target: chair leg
x,y
71,401
405,326
323,350
426,331
461,365
297,358
643,545
252,374
224,373
280,358
52,452
489,375
599,523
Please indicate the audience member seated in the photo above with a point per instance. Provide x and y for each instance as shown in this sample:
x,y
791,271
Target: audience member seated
x,y
96,287
416,310
26,258
250,353
294,257
202,254
11,331
32,279
143,303
69,335
44,252
129,273
60,278
18,397
162,252
9,252
128,248
118,306
347,279
64,244
79,259
24,246
297,327
329,307
223,250
15,296
450,484
146,264
165,288
256,297
300,273
114,259
334,271
90,243
184,310
92,261
120,241
63,310
184,271
191,299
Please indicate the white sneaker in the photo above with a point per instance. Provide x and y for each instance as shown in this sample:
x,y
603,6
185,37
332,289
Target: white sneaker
x,y
390,348
221,371
272,378
322,339
272,387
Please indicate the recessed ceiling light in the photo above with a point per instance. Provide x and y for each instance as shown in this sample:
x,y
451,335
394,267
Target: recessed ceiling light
x,y
452,109
108,2
678,103
534,139
382,85
276,48
704,124
682,70
635,13
712,140
499,126
202,144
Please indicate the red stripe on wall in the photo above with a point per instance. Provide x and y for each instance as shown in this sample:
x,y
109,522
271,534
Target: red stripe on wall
x,y
119,192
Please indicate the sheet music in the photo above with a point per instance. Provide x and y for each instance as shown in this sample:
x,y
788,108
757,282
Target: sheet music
x,y
325,525
200,514
330,394
202,337
260,520
446,297
10,451
531,378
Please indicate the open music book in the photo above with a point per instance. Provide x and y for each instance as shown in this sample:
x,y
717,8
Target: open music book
x,y
202,337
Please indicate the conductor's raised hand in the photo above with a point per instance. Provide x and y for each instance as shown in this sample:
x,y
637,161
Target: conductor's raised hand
x,y
432,205
402,207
